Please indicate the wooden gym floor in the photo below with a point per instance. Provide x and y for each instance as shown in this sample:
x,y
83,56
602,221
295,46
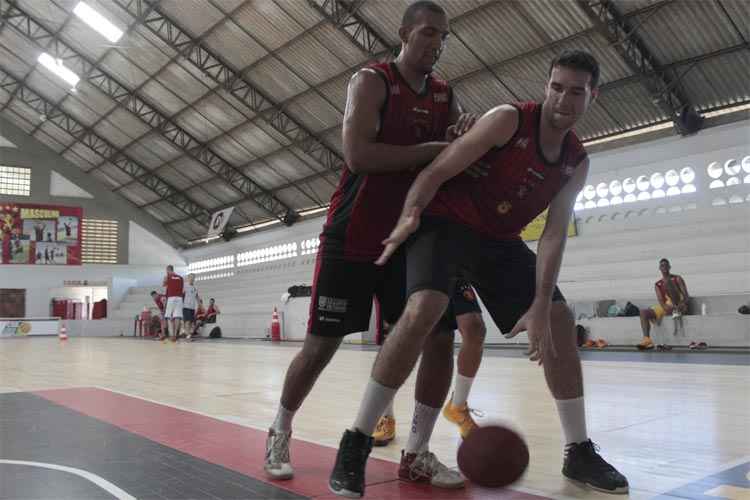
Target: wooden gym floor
x,y
147,419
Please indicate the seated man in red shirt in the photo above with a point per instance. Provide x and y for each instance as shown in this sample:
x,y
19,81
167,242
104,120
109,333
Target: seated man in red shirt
x,y
212,311
161,302
200,317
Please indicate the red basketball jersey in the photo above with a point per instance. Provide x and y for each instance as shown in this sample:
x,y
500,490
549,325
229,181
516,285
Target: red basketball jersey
x,y
364,208
520,185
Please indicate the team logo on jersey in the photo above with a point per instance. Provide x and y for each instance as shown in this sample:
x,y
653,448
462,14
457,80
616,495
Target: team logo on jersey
x,y
536,173
440,97
469,295
504,207
332,304
522,143
421,111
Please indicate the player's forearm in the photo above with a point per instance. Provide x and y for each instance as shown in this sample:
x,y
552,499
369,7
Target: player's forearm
x,y
549,261
422,191
379,158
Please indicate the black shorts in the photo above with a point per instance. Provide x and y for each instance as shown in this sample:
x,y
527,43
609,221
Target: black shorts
x,y
343,290
188,314
503,272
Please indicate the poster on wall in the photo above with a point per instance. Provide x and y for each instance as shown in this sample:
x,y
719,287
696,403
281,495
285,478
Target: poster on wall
x,y
40,234
534,230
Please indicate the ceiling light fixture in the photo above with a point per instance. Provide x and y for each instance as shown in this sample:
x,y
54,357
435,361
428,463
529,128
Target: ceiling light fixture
x,y
98,22
56,66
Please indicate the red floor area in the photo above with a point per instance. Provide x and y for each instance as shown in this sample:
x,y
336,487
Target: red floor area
x,y
242,449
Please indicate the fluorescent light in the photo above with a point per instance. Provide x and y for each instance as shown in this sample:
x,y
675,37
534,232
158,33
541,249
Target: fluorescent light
x,y
631,133
56,66
98,22
253,227
311,211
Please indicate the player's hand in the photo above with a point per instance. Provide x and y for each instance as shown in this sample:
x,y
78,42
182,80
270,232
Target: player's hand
x,y
463,124
407,224
536,322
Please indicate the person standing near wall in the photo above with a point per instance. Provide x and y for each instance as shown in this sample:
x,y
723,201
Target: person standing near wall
x,y
190,302
173,312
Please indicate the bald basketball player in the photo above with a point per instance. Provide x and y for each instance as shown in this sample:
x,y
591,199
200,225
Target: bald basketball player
x,y
398,118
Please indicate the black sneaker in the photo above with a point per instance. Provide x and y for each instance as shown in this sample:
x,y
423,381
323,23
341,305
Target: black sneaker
x,y
584,465
348,476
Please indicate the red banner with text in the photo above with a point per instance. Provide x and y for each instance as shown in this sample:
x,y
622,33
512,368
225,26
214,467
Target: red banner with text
x,y
40,234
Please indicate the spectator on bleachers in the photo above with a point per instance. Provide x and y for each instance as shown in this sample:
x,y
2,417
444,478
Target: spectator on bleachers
x,y
212,311
200,316
161,302
672,295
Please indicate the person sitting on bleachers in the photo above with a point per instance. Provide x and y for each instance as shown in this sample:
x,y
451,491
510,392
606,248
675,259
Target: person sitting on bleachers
x,y
212,311
161,302
200,316
672,295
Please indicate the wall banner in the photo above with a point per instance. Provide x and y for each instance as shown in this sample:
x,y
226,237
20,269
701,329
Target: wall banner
x,y
40,234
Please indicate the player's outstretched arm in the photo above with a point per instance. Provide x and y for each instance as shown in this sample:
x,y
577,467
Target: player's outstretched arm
x,y
536,321
496,127
365,98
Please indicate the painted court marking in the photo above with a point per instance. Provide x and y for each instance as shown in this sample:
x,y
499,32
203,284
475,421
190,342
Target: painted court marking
x,y
97,480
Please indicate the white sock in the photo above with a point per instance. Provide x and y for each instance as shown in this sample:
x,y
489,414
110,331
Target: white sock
x,y
573,419
283,420
462,389
376,399
389,411
421,428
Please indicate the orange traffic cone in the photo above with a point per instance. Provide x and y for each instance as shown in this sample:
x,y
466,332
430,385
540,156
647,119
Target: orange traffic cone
x,y
275,326
63,335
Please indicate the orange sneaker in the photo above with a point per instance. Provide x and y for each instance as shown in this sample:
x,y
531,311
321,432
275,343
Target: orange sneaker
x,y
385,432
601,343
646,344
461,416
589,344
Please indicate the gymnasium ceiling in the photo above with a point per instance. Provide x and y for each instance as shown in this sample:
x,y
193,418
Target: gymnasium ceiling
x,y
205,104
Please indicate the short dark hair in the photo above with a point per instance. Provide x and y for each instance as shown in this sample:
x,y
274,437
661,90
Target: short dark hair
x,y
170,267
664,260
411,11
578,60
153,292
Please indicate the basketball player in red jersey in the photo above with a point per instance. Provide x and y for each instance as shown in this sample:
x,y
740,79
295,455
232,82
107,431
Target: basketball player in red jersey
x,y
173,312
397,120
473,228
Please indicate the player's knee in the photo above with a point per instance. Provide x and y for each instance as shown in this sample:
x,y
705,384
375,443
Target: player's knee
x,y
473,329
318,350
561,318
423,311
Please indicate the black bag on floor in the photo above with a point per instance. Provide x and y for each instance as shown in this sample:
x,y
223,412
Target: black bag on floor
x,y
215,333
631,310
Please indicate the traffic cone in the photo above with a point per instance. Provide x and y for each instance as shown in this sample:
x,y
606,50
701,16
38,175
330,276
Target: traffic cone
x,y
63,335
275,326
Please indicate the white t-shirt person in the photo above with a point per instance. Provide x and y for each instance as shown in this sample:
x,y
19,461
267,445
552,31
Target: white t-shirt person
x,y
191,297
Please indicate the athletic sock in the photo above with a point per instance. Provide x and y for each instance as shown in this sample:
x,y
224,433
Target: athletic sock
x,y
376,399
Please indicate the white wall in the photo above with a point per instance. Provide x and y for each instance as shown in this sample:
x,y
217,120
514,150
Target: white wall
x,y
145,249
40,281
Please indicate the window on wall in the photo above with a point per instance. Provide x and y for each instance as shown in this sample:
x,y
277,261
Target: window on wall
x,y
634,189
268,254
15,181
99,241
211,265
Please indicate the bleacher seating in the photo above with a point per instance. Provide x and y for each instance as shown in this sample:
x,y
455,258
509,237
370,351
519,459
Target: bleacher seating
x,y
614,258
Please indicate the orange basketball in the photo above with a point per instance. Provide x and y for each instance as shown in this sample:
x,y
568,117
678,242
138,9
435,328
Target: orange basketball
x,y
493,456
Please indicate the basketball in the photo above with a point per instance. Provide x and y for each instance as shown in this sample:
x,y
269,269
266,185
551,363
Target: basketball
x,y
493,456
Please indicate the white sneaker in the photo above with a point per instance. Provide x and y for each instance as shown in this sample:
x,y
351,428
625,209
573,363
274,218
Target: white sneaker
x,y
425,467
277,463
